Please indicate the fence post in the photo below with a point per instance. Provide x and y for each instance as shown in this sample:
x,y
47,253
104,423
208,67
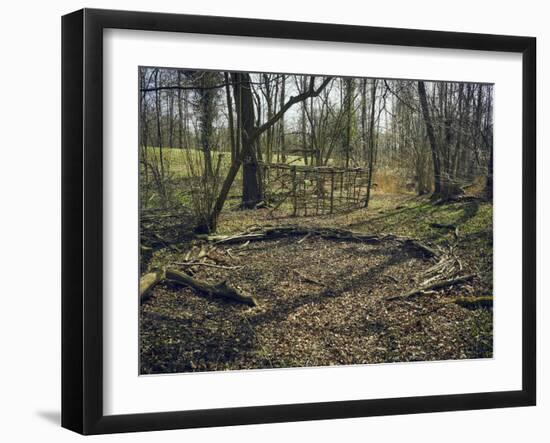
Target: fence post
x,y
294,197
341,195
354,192
305,193
331,190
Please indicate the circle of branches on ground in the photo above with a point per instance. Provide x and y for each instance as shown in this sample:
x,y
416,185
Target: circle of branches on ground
x,y
323,300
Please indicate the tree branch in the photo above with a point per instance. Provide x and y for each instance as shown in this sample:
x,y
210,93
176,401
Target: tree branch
x,y
312,92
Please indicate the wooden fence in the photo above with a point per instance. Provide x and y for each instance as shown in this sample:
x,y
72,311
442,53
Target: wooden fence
x,y
314,190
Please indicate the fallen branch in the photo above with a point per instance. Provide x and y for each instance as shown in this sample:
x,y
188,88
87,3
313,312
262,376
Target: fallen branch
x,y
304,238
295,231
218,290
210,265
308,279
147,282
422,247
326,233
432,286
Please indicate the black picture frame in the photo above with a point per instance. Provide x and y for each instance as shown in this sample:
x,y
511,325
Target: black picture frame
x,y
82,215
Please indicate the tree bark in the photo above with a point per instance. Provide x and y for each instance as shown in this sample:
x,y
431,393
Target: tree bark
x,y
230,117
431,137
282,122
245,113
371,141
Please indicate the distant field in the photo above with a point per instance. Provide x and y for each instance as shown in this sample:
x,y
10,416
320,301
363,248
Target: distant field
x,y
182,162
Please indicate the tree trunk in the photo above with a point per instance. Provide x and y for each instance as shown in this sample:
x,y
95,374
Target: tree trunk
x,y
431,137
489,182
206,119
349,117
371,141
282,122
245,112
230,117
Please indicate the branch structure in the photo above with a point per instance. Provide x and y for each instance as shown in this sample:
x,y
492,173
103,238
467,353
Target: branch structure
x,y
270,233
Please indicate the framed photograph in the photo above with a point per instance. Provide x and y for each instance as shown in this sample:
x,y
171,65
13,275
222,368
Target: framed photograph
x,y
269,221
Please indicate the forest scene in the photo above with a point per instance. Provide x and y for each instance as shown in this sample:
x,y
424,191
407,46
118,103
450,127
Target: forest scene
x,y
296,220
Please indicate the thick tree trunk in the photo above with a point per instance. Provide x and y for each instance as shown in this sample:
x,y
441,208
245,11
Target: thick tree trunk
x,y
230,117
206,119
431,137
245,111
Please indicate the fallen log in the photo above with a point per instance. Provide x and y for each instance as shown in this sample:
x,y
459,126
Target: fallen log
x,y
219,290
296,231
147,282
433,286
326,233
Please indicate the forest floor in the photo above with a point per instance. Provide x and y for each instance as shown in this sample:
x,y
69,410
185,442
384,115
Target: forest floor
x,y
323,301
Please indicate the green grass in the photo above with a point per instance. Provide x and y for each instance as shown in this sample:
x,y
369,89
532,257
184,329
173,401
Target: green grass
x,y
412,217
181,163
